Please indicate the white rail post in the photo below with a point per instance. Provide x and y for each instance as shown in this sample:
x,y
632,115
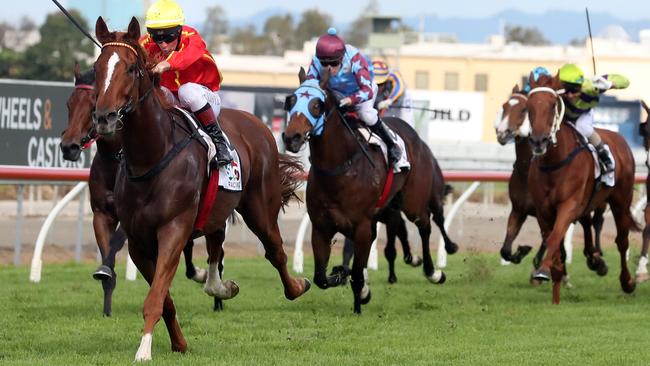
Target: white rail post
x,y
298,254
37,263
441,261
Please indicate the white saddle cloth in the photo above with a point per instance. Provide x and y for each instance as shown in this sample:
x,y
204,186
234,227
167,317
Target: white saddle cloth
x,y
608,178
402,163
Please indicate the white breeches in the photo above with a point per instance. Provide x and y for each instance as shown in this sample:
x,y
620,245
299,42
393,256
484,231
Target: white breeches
x,y
585,124
366,110
194,96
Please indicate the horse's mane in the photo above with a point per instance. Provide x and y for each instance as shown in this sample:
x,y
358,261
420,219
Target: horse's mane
x,y
146,64
87,77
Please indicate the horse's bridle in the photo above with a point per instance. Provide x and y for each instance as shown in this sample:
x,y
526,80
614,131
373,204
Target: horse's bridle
x,y
559,115
129,106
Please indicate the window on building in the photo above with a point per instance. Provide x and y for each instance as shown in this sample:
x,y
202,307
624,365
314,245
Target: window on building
x,y
422,80
451,81
480,82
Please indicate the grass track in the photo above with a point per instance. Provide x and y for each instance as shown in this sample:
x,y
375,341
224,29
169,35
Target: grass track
x,y
484,315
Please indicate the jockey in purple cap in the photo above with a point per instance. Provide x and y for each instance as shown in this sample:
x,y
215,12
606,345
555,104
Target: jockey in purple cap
x,y
351,80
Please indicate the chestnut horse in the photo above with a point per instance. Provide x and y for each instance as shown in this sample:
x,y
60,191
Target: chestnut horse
x,y
561,180
346,181
513,124
164,175
642,269
78,136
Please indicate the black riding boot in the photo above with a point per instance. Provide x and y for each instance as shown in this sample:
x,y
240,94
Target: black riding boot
x,y
211,126
603,156
383,131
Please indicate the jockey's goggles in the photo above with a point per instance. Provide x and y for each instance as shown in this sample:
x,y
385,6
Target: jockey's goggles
x,y
164,35
330,62
572,88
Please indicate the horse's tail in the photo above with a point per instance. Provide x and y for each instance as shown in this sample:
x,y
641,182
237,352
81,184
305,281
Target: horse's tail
x,y
448,189
291,175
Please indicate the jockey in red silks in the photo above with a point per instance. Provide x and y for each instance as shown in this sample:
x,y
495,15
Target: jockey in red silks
x,y
188,73
352,82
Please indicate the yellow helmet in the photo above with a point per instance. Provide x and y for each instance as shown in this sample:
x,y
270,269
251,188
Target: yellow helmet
x,y
380,70
164,14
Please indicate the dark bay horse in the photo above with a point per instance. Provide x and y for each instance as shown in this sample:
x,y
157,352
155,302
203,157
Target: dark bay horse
x,y
164,176
345,184
78,136
513,124
561,180
642,269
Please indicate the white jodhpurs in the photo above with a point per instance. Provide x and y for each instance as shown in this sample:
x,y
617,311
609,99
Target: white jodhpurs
x,y
366,110
585,124
194,96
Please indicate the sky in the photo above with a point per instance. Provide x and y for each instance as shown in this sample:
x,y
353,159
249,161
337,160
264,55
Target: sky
x,y
346,10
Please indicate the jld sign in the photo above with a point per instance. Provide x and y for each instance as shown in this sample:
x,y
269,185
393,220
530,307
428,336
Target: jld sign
x,y
32,117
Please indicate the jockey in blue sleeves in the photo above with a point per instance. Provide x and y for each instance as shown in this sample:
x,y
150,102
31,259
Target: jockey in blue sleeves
x,y
351,80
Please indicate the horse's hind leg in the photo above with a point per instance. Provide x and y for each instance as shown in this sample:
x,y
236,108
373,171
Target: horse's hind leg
x,y
389,251
424,228
214,286
597,222
193,272
594,260
624,222
439,218
261,218
403,236
516,220
642,269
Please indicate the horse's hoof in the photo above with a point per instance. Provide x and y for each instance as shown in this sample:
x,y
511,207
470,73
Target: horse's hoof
x,y
232,287
565,281
451,248
103,273
392,279
628,286
365,295
416,261
307,285
438,277
521,253
200,275
642,277
602,268
542,274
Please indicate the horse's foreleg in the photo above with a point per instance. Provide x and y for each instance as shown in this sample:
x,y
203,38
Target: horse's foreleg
x,y
320,244
104,228
515,221
193,272
593,254
553,241
171,239
363,238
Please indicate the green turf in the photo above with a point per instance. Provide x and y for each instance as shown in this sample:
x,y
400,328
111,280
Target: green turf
x,y
484,315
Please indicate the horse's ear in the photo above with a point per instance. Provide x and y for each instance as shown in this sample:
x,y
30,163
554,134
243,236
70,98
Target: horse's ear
x,y
102,32
133,33
531,80
515,89
302,75
77,71
645,106
325,79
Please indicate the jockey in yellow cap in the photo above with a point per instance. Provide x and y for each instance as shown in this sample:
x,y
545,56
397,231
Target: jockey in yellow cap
x,y
188,73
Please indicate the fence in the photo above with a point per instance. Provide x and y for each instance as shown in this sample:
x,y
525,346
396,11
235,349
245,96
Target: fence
x,y
27,175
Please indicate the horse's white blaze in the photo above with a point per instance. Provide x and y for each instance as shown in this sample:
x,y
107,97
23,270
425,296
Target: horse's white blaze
x,y
513,102
112,61
524,129
144,351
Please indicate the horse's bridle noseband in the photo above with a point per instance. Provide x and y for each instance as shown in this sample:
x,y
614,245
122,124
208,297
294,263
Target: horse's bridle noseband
x,y
559,115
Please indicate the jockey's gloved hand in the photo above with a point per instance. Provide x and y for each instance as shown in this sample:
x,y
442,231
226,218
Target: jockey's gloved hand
x,y
347,101
384,104
600,82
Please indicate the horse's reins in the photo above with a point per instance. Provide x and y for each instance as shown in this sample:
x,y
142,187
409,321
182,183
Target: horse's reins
x,y
557,119
91,136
